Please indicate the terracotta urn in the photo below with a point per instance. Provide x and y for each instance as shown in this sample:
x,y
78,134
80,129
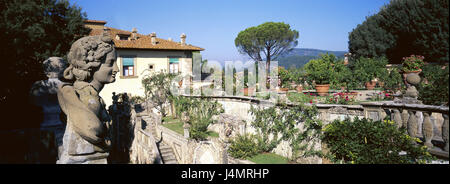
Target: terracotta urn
x,y
322,89
370,85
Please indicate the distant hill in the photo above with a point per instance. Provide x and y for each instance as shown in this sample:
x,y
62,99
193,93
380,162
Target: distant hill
x,y
300,56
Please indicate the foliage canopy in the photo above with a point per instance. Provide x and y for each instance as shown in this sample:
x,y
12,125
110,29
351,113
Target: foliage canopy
x,y
31,32
402,28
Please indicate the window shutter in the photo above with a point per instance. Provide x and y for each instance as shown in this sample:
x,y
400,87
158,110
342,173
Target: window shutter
x,y
173,60
128,61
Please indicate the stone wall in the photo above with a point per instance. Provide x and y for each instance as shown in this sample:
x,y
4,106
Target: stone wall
x,y
144,149
179,144
239,109
189,151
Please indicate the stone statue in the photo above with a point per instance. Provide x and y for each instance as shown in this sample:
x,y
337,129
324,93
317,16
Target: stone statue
x,y
43,93
92,64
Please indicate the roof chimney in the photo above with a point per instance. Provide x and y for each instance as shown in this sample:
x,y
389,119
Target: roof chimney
x,y
153,38
170,39
134,34
94,24
183,39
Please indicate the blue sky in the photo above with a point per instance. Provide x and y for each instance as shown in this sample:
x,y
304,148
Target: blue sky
x,y
213,24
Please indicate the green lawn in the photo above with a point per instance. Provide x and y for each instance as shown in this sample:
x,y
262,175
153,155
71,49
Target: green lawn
x,y
173,124
177,126
213,134
269,158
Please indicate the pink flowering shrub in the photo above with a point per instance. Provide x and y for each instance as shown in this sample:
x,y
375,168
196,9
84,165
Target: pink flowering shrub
x,y
413,63
341,98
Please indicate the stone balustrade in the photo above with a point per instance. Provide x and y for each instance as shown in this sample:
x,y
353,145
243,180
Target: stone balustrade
x,y
427,122
177,142
143,147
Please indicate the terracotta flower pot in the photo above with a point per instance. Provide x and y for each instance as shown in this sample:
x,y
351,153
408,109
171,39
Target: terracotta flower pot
x,y
371,85
284,89
406,73
247,91
322,89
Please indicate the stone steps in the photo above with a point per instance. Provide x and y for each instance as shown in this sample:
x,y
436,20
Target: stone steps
x,y
167,154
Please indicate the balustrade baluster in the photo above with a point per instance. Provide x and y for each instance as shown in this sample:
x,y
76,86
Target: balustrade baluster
x,y
412,124
398,118
405,117
427,129
445,131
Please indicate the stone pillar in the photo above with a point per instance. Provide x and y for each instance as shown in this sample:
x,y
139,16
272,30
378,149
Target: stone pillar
x,y
427,129
186,130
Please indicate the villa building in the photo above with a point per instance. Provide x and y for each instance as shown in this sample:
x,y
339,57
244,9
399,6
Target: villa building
x,y
139,55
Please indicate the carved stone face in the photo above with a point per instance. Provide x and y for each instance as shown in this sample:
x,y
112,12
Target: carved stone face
x,y
107,72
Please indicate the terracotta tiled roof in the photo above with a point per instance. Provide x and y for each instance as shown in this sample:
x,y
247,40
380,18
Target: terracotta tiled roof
x,y
143,41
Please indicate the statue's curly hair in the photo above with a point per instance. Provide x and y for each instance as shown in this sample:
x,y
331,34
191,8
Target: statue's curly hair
x,y
85,55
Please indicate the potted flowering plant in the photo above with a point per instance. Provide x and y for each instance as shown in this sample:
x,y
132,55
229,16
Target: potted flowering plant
x,y
319,71
367,69
412,64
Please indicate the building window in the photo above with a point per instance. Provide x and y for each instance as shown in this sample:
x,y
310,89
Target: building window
x,y
123,37
173,65
128,68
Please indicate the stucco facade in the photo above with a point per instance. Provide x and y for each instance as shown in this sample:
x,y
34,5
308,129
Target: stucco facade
x,y
142,62
139,55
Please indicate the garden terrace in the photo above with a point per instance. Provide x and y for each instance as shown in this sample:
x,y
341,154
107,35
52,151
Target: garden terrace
x,y
429,123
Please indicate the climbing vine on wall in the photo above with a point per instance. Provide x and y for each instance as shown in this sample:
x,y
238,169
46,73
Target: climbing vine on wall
x,y
297,125
200,112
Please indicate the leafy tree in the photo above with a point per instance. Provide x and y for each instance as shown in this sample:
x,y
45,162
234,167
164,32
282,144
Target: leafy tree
x,y
31,32
157,90
369,39
433,90
402,28
266,41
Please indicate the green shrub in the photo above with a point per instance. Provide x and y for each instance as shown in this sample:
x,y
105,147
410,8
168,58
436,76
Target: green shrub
x,y
433,90
342,76
320,70
199,128
300,97
394,81
367,69
243,147
200,112
365,141
285,76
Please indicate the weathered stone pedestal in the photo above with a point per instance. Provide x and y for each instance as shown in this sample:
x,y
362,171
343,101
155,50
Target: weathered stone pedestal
x,y
76,150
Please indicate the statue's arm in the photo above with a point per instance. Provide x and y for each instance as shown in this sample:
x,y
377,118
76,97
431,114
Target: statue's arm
x,y
84,121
